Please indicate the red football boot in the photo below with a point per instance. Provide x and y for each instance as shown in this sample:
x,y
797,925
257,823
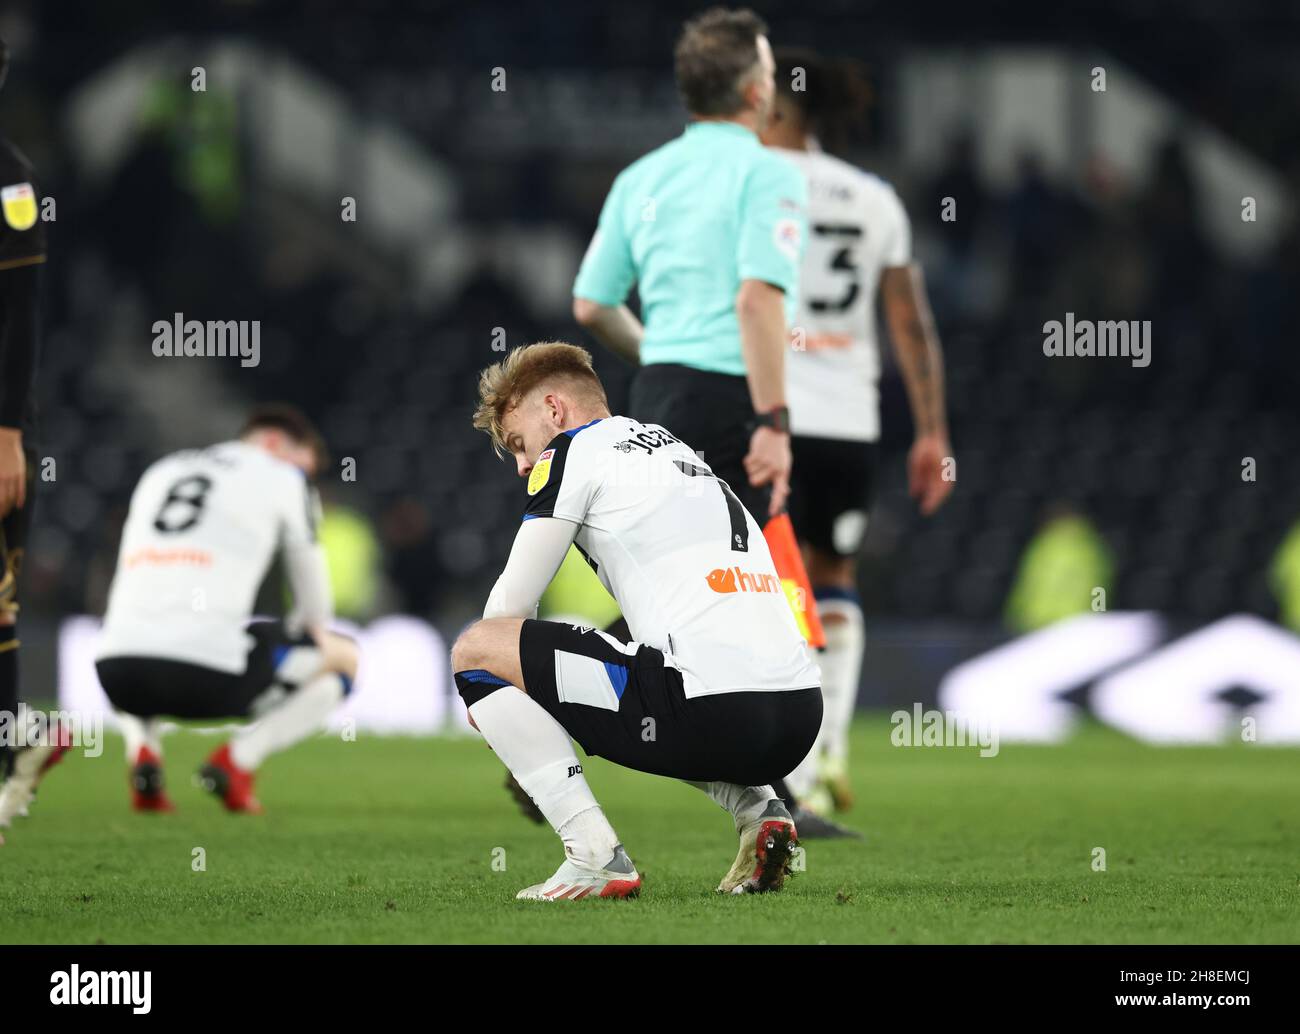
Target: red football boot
x,y
222,777
147,790
767,852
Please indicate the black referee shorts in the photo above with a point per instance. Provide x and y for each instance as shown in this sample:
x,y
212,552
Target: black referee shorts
x,y
621,702
710,412
832,484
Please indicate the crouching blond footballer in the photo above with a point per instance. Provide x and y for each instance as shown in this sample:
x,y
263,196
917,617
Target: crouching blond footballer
x,y
716,686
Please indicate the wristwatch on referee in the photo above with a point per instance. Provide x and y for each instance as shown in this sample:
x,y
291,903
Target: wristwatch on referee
x,y
777,419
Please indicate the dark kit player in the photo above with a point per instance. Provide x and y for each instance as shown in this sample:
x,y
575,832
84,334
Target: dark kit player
x,y
22,252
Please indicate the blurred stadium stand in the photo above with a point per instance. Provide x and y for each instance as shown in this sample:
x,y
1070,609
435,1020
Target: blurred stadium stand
x,y
378,328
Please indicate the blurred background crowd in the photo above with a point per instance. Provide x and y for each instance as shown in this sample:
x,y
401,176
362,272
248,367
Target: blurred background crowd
x,y
478,140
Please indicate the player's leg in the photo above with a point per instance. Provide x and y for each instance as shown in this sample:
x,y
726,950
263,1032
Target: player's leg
x,y
144,759
487,659
841,664
24,761
746,737
742,803
13,533
9,644
766,832
624,701
808,802
802,781
141,689
22,764
619,630
290,687
841,500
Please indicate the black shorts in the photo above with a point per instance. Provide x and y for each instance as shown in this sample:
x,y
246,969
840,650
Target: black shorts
x,y
621,702
832,484
13,539
710,412
150,687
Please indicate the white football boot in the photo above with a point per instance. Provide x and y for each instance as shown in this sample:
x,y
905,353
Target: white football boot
x,y
766,847
29,765
617,878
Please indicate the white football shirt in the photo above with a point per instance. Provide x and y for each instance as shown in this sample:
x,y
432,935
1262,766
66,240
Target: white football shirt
x,y
202,531
686,562
857,227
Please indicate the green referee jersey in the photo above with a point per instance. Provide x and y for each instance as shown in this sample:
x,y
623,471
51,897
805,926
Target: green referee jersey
x,y
687,223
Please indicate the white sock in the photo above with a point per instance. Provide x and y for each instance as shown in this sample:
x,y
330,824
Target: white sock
x,y
537,750
841,664
140,732
745,803
302,713
588,838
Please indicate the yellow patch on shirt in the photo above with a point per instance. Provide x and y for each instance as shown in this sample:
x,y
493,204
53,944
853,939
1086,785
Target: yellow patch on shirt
x,y
19,204
541,472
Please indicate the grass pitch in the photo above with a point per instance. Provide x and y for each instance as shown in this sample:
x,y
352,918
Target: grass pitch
x,y
413,840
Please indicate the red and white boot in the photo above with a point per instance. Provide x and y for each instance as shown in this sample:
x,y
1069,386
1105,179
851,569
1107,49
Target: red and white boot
x,y
147,790
221,777
767,846
29,765
617,878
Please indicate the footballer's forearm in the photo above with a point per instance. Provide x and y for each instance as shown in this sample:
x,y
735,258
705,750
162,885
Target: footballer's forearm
x,y
613,326
760,310
309,581
538,551
916,346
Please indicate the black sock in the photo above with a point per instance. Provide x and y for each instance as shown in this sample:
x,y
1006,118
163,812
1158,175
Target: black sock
x,y
8,692
783,791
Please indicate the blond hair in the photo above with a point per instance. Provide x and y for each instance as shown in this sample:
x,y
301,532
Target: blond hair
x,y
503,385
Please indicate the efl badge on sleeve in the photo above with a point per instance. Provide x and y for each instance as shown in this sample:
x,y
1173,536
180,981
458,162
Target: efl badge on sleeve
x,y
541,472
19,202
785,235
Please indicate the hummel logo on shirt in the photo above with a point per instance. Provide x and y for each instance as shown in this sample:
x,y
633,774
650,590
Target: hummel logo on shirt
x,y
733,579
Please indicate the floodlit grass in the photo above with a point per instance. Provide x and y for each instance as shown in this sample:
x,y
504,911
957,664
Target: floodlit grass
x,y
414,840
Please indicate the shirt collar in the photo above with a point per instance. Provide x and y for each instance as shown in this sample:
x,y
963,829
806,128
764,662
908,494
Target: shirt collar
x,y
574,430
727,128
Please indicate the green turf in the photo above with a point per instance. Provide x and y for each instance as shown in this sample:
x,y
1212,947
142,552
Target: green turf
x,y
393,840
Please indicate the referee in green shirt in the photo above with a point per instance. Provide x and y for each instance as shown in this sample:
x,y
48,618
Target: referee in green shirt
x,y
710,228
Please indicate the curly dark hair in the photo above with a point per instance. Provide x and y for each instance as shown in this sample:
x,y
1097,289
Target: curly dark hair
x,y
832,94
